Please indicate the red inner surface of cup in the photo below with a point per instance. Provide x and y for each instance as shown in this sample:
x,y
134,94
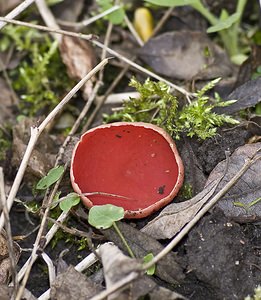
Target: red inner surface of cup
x,y
133,162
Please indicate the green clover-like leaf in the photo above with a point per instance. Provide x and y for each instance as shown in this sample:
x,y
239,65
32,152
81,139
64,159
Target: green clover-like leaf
x,y
69,201
52,176
146,259
103,216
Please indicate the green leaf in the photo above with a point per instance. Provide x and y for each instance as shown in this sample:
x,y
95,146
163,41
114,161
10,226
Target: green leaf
x,y
117,16
69,201
171,3
52,176
147,259
55,200
224,24
103,216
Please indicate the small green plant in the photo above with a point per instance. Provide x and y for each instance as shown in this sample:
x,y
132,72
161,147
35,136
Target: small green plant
x,y
146,259
157,105
52,176
257,294
106,216
247,206
40,78
227,26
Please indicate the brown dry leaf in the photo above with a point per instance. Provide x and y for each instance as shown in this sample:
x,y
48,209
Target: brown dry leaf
x,y
173,217
42,158
168,269
5,265
73,285
186,55
79,57
238,203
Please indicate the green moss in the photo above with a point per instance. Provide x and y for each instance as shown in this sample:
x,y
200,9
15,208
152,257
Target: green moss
x,y
40,78
158,106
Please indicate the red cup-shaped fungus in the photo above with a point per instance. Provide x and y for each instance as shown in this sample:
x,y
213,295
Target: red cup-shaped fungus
x,y
132,165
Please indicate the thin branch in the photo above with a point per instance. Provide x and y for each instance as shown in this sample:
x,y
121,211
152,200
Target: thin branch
x,y
116,286
8,232
51,268
133,31
16,11
48,29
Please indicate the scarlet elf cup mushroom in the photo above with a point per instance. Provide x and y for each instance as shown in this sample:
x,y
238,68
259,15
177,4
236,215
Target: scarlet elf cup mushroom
x,y
132,165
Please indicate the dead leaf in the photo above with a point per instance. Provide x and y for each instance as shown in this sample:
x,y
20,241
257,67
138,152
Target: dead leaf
x,y
176,215
72,285
5,265
185,55
79,57
247,95
168,269
236,203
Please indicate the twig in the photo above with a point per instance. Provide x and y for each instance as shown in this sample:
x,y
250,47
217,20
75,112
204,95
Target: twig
x,y
104,52
162,21
16,11
8,232
51,268
85,23
133,31
36,131
116,286
48,29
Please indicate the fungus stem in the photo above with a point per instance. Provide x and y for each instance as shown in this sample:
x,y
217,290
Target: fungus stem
x,y
123,239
